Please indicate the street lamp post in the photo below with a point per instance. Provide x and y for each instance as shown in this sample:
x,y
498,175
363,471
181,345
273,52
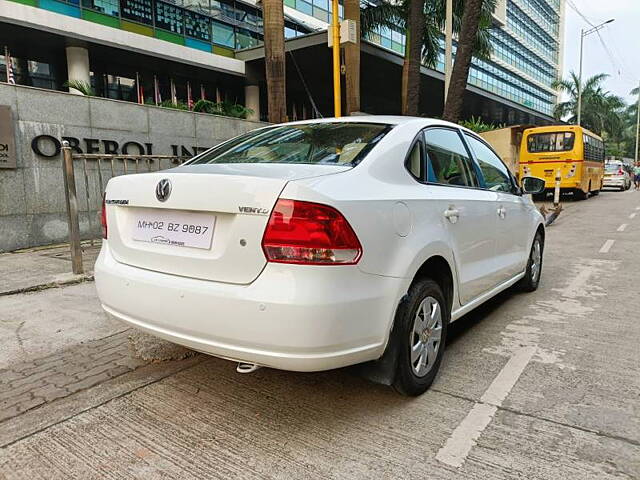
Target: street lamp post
x,y
584,33
637,126
335,32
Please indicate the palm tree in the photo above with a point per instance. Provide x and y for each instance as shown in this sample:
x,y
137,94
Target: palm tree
x,y
601,110
395,16
352,59
632,123
274,59
476,18
412,58
81,86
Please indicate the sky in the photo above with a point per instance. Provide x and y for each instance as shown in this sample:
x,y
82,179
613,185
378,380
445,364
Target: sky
x,y
618,54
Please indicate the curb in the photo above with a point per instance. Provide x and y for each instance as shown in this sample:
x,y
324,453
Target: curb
x,y
75,279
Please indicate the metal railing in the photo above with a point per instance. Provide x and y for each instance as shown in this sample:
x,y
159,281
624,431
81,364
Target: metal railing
x,y
96,170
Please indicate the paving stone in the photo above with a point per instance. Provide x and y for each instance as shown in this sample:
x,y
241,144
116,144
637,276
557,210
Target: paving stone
x,y
28,384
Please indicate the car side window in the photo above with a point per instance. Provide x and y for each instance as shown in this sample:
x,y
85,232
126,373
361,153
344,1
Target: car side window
x,y
495,173
448,161
414,161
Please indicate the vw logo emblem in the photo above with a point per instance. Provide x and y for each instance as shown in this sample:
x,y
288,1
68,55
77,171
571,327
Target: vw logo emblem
x,y
163,189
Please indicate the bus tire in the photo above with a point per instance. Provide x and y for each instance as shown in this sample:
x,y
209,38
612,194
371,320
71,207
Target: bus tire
x,y
579,194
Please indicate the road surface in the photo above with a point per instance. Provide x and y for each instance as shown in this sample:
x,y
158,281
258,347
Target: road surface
x,y
537,386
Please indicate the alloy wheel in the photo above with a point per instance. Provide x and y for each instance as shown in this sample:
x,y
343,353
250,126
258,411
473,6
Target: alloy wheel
x,y
536,260
425,337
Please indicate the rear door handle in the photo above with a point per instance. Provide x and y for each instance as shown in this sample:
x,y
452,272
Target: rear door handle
x,y
452,214
502,212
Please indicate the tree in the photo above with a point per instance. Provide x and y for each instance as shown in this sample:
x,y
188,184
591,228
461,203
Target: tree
x,y
602,112
352,59
412,58
624,145
81,86
274,59
633,124
394,15
474,19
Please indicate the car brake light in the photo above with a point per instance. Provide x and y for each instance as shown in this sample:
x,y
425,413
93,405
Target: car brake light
x,y
103,219
311,234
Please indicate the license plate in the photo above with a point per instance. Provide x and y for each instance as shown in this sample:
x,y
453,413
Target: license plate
x,y
173,227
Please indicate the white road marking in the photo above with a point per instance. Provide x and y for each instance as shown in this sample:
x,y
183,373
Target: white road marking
x,y
632,216
622,227
465,436
607,246
577,284
637,208
520,342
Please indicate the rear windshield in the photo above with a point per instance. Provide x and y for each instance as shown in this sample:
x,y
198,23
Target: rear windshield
x,y
315,143
550,142
613,168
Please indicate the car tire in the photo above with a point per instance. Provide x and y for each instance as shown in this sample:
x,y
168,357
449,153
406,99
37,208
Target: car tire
x,y
531,279
422,333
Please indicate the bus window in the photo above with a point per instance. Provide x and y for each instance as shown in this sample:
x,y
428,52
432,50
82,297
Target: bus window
x,y
550,142
593,148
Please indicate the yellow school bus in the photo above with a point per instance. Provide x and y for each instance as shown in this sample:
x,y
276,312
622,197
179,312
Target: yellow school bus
x,y
575,151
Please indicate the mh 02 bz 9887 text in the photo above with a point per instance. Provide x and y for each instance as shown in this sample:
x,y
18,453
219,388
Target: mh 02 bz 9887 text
x,y
173,227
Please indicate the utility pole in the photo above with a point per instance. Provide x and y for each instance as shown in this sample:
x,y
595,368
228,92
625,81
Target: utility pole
x,y
584,33
335,28
638,125
580,80
448,47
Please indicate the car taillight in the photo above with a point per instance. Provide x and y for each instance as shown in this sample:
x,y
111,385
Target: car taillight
x,y
103,219
309,233
620,172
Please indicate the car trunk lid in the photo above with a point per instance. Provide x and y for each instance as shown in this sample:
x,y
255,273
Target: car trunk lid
x,y
210,224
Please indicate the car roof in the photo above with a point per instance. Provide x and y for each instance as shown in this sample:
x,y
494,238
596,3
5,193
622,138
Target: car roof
x,y
382,119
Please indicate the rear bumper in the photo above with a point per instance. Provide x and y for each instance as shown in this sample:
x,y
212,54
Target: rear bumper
x,y
613,182
291,317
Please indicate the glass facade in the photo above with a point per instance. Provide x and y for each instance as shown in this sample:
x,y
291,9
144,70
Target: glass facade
x,y
201,24
523,66
524,62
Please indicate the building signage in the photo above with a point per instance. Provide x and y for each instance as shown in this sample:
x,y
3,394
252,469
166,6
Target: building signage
x,y
48,146
7,139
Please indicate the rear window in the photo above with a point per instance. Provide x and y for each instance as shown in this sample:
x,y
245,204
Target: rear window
x,y
316,143
613,168
550,142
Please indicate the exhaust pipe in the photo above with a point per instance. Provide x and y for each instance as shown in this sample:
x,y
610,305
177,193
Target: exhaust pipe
x,y
247,367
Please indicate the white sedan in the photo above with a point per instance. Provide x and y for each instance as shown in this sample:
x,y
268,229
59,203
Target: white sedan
x,y
616,176
319,244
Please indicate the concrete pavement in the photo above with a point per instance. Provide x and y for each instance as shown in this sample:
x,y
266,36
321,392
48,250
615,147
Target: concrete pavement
x,y
43,267
538,386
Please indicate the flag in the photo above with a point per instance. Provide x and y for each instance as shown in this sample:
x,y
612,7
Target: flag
x,y
174,99
9,66
189,98
156,91
202,93
138,88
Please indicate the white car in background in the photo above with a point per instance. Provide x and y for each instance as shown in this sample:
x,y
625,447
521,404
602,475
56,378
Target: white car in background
x,y
616,176
319,244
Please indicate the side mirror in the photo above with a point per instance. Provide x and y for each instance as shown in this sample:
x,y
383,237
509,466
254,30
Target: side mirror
x,y
532,185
